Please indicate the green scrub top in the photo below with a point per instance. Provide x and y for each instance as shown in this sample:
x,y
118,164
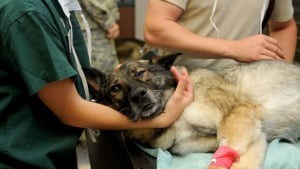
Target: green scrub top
x,y
34,51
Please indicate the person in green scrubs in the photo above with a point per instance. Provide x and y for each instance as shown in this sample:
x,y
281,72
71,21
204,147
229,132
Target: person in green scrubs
x,y
43,106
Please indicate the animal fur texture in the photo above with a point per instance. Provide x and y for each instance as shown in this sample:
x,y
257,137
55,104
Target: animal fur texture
x,y
242,107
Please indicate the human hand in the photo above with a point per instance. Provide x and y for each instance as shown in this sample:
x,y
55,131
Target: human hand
x,y
256,47
113,32
182,96
117,66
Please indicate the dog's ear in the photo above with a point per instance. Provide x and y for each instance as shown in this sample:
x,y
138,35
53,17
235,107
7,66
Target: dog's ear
x,y
153,56
96,80
168,60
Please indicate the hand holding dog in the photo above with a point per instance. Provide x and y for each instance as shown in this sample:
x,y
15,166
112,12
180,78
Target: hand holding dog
x,y
182,97
256,47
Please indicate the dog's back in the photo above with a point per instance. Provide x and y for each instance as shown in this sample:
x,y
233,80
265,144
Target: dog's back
x,y
276,86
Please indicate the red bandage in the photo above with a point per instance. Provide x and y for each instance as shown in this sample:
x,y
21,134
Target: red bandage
x,y
224,157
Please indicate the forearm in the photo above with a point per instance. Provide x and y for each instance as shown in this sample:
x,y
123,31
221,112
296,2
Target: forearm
x,y
171,35
161,30
287,37
94,115
81,113
62,98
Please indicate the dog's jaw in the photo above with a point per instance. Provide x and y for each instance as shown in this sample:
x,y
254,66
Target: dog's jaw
x,y
146,103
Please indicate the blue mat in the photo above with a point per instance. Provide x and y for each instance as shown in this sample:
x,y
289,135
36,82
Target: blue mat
x,y
280,155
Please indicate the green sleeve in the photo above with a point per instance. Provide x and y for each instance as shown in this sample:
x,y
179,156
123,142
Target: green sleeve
x,y
39,54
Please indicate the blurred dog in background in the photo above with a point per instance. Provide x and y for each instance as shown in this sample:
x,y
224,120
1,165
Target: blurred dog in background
x,y
129,49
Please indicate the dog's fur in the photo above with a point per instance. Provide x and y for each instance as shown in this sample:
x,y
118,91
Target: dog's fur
x,y
242,107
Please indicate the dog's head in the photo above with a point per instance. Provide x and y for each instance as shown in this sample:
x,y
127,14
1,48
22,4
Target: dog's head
x,y
138,89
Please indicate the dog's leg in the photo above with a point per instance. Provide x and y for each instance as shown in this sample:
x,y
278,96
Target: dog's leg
x,y
254,156
166,140
239,130
198,144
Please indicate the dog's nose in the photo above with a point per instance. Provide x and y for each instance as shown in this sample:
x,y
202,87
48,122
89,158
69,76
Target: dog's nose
x,y
138,94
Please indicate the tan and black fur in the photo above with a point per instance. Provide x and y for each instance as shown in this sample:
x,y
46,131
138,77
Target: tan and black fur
x,y
242,107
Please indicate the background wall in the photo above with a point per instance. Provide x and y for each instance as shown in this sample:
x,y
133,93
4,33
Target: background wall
x,y
140,13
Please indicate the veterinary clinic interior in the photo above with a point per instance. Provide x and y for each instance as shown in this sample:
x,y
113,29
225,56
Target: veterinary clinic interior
x,y
112,150
65,74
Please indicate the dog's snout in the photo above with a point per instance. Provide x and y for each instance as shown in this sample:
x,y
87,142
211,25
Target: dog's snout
x,y
138,93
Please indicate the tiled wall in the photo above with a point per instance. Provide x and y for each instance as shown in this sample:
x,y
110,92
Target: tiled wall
x,y
297,17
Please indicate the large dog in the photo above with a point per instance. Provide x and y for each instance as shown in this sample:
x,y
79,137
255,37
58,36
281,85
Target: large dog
x,y
235,110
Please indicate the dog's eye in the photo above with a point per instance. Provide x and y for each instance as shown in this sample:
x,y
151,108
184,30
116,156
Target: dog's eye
x,y
140,73
115,88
